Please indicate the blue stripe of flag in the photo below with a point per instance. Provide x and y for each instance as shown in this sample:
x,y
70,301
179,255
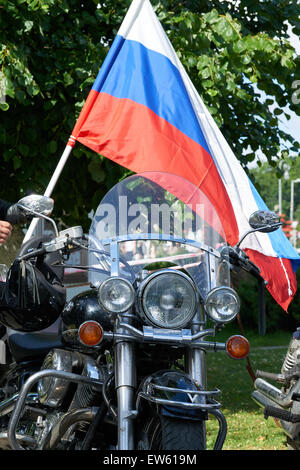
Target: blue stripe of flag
x,y
149,78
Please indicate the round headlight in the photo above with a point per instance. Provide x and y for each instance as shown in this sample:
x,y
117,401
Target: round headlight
x,y
222,304
116,295
167,299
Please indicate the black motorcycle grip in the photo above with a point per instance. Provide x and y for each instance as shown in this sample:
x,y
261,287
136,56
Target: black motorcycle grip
x,y
281,414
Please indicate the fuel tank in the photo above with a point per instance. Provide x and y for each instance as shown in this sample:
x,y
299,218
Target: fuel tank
x,y
81,308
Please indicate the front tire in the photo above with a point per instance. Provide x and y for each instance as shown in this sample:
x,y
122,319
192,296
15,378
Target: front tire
x,y
166,433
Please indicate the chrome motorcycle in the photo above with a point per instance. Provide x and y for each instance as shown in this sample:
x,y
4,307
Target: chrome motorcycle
x,y
126,368
283,403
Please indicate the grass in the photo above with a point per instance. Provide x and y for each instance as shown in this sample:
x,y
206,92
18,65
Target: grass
x,y
247,427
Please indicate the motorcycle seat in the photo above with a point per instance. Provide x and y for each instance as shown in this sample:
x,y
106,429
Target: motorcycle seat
x,y
26,346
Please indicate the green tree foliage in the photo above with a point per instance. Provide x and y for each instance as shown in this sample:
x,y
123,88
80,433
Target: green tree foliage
x,y
50,54
276,318
236,53
267,182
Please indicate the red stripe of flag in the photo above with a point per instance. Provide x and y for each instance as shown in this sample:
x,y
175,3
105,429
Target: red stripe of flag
x,y
135,137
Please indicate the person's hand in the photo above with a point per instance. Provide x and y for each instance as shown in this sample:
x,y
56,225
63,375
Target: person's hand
x,y
5,231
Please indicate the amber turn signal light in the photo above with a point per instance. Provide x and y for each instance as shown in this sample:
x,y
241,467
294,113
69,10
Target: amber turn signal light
x,y
237,347
90,333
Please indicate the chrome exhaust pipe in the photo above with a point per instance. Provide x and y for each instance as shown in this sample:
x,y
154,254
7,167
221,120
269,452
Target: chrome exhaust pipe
x,y
274,394
264,401
65,423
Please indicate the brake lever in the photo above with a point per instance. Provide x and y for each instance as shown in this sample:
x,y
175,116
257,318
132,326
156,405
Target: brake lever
x,y
238,259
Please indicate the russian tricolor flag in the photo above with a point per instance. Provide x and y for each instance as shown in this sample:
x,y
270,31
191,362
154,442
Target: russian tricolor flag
x,y
144,113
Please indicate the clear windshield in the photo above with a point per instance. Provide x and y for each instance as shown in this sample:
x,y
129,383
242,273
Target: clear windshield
x,y
156,220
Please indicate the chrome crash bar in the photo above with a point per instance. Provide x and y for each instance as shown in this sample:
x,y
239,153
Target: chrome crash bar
x,y
22,398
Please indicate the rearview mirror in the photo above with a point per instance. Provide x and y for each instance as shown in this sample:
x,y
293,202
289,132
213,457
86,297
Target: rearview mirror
x,y
36,205
264,221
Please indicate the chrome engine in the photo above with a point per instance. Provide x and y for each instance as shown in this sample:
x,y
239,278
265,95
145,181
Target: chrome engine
x,y
77,402
58,408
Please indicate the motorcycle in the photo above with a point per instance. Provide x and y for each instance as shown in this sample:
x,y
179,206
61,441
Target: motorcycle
x,y
126,367
283,403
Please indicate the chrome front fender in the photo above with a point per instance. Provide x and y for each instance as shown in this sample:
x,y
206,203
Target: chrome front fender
x,y
175,390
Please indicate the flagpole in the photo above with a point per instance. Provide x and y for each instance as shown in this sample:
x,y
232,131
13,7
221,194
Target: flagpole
x,y
50,187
